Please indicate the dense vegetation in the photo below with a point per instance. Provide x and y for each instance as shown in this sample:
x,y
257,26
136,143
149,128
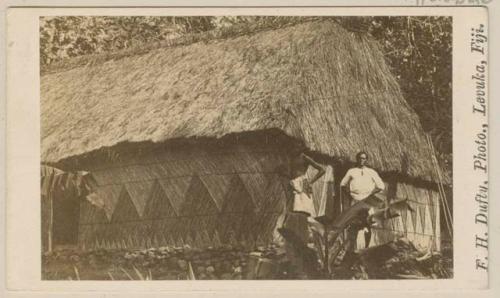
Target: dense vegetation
x,y
417,48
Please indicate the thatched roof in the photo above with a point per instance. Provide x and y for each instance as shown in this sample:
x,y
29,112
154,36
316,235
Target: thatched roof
x,y
315,81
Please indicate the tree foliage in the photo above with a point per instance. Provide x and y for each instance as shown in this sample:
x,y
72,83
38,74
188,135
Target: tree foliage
x,y
64,37
418,49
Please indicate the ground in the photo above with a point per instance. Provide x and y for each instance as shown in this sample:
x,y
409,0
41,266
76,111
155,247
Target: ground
x,y
395,260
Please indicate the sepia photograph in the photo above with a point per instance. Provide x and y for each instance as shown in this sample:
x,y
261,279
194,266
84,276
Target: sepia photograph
x,y
246,147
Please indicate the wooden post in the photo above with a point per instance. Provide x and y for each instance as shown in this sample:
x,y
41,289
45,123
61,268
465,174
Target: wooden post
x,y
51,221
330,198
327,252
342,208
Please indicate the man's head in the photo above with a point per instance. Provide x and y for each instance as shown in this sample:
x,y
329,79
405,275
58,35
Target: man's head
x,y
361,159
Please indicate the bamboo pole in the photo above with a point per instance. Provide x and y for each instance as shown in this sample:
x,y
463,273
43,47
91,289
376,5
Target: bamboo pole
x,y
446,201
446,209
440,184
448,212
441,193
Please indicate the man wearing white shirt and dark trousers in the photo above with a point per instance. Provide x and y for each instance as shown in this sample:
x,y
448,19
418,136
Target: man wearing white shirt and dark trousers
x,y
360,183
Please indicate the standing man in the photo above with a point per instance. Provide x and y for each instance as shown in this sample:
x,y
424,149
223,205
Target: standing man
x,y
299,225
360,183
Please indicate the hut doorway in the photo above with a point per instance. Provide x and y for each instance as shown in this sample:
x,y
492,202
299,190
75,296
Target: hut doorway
x,y
66,220
60,219
61,194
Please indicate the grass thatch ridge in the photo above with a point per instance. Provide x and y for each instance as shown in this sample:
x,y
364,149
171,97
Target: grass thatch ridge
x,y
315,81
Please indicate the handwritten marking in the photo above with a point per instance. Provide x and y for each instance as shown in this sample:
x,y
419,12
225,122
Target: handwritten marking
x,y
452,2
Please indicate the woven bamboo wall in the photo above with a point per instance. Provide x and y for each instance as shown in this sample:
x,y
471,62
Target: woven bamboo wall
x,y
421,227
205,198
190,197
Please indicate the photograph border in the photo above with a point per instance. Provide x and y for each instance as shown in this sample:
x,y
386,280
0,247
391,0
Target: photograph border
x,y
9,219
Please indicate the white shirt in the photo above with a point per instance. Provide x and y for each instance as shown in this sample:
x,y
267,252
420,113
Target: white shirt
x,y
362,181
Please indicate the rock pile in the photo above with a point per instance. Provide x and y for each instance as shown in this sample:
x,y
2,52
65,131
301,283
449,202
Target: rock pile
x,y
225,262
394,260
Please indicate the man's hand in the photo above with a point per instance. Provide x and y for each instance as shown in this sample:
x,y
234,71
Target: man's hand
x,y
344,190
376,190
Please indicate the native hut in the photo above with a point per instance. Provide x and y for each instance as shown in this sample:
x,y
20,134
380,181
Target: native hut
x,y
188,142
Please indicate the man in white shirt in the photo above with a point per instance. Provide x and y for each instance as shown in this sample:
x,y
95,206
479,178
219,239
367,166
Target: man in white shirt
x,y
363,182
